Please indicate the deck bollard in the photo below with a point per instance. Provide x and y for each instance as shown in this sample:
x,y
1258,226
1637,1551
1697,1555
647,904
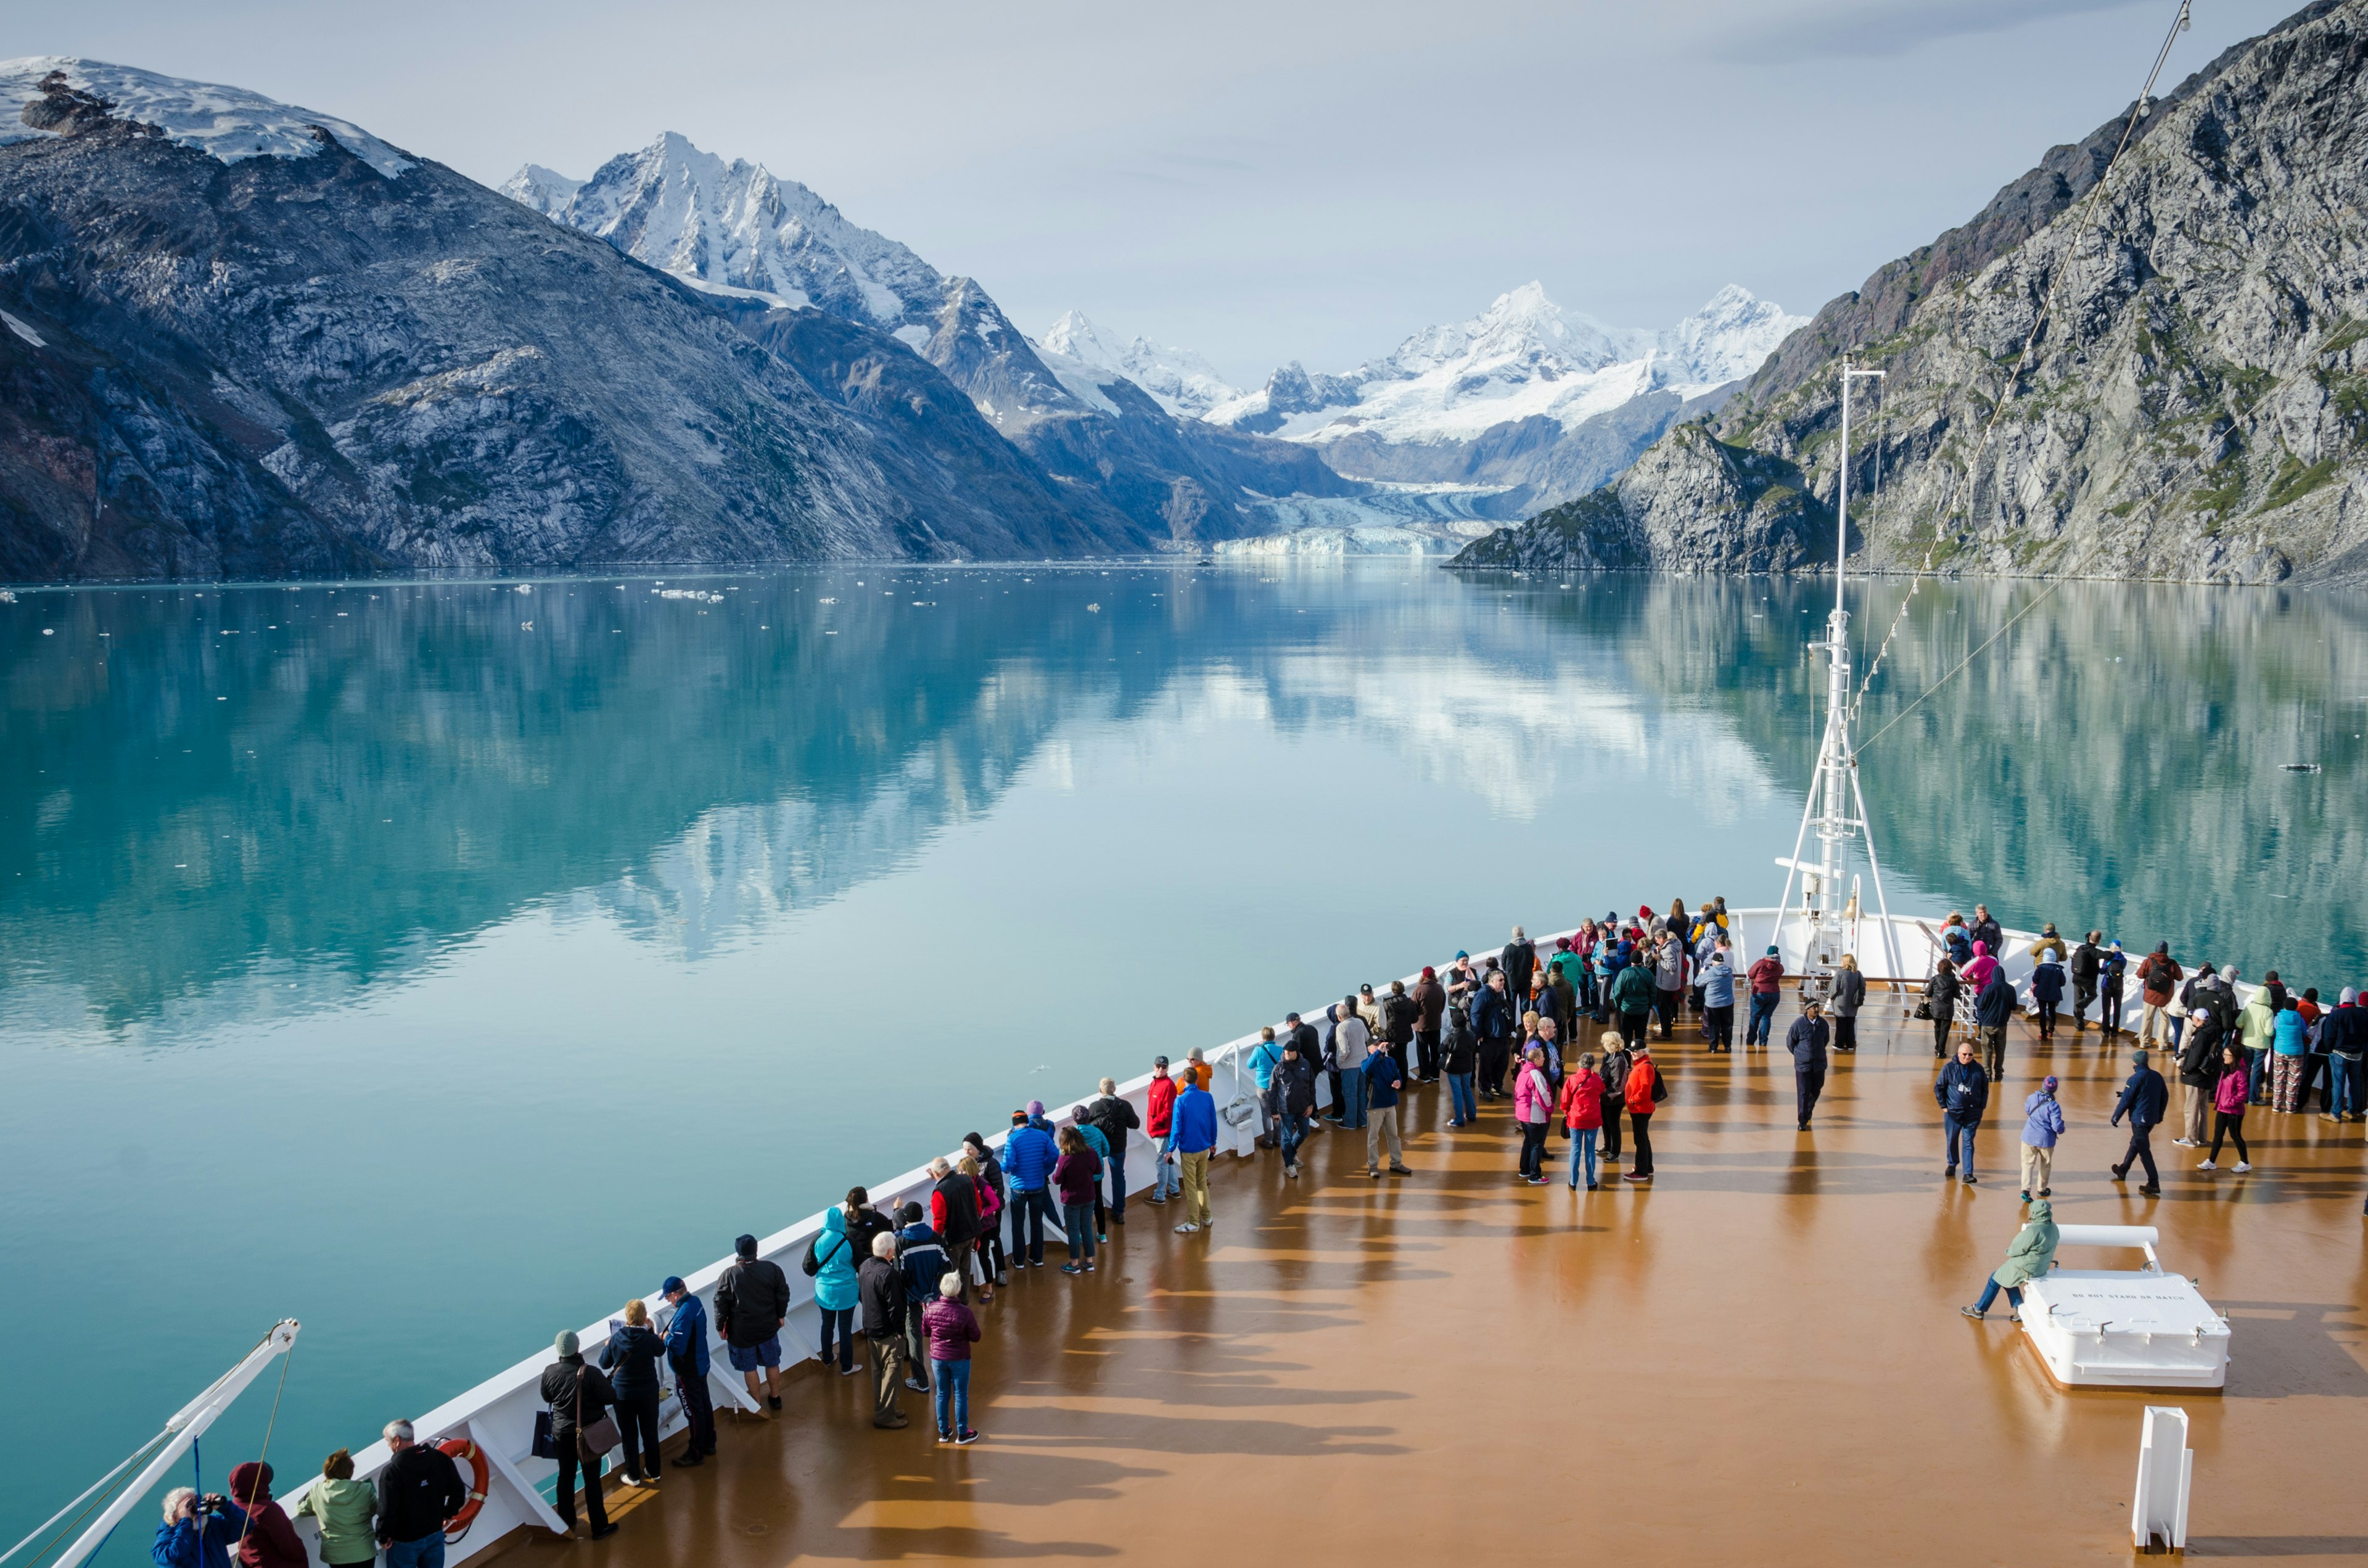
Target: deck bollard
x,y
2165,1469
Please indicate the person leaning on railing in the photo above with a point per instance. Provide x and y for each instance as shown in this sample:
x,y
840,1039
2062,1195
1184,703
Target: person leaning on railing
x,y
578,1396
347,1511
632,1354
418,1492
687,1353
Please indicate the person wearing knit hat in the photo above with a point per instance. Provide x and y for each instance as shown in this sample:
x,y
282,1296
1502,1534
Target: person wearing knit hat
x,y
579,1397
2144,1099
752,1302
1767,978
2042,1124
1429,999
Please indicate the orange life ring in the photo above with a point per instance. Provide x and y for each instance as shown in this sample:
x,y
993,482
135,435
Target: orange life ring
x,y
481,1474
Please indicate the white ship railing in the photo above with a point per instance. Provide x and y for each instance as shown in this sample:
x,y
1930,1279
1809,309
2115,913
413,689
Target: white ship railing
x,y
499,1413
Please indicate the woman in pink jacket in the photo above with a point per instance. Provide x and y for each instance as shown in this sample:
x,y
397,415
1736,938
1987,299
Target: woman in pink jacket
x,y
1533,1099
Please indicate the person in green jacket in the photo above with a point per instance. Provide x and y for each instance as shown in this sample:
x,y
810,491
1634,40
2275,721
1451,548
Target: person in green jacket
x,y
348,1510
2033,1254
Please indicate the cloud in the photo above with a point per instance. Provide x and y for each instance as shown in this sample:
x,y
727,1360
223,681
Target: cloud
x,y
1877,29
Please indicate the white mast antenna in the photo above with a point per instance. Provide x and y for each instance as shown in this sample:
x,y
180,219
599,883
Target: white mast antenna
x,y
1829,910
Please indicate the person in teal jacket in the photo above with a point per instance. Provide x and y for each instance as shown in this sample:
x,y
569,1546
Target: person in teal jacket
x,y
2289,1043
833,1256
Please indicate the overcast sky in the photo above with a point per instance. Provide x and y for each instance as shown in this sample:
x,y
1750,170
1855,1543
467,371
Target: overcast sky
x,y
1262,182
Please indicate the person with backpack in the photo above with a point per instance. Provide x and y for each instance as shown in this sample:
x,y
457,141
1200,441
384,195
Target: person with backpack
x,y
1807,1041
1963,1093
1581,1104
1461,1064
830,1263
1291,1100
579,1398
880,1285
1429,999
2086,964
687,1353
1265,1057
1158,1125
2228,1098
1941,1004
1633,994
2143,1099
955,1213
752,1302
2159,977
1766,980
2042,1124
921,1256
2112,974
1643,1090
1029,1156
1078,1176
1115,1115
630,1358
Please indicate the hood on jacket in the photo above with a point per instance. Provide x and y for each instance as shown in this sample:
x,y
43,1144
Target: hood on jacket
x,y
250,1483
1981,949
2041,1212
833,1222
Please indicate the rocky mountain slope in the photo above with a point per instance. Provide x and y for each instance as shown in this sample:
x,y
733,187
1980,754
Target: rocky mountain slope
x,y
1527,401
735,231
2195,408
245,338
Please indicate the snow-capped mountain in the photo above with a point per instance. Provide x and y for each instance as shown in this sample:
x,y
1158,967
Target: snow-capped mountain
x,y
1522,358
736,228
1179,379
230,124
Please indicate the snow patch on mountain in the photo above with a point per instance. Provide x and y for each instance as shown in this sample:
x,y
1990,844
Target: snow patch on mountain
x,y
1176,378
737,228
64,93
1522,358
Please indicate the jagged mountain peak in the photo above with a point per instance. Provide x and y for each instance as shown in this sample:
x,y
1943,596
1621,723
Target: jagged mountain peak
x,y
1179,379
59,94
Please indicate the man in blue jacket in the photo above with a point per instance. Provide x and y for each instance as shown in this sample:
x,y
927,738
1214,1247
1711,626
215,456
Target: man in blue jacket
x,y
1029,1156
685,1351
1963,1090
1993,1010
1806,1040
1195,1126
2144,1099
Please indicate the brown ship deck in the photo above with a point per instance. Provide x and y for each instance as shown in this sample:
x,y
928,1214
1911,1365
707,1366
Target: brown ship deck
x,y
1757,1360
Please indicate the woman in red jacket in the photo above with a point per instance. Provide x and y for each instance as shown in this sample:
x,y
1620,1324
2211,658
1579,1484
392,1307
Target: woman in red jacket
x,y
269,1540
1582,1112
1643,1091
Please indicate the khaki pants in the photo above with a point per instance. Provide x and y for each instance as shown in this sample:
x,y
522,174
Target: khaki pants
x,y
1989,1041
2198,1098
1383,1122
887,1366
2154,1023
2036,1166
1196,1187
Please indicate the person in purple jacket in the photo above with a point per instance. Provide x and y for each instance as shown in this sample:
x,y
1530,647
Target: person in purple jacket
x,y
952,1330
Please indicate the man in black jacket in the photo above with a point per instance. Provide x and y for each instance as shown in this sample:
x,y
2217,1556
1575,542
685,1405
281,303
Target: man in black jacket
x,y
2199,1072
1963,1092
752,1302
577,1395
1117,1116
1993,1010
1986,929
1806,1040
2087,959
881,1285
1519,962
418,1492
1291,1100
2143,1099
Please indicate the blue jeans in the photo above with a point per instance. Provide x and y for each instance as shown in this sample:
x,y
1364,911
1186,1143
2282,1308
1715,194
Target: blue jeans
x,y
1763,1017
427,1552
1165,1177
953,1387
1117,1163
1989,1294
1034,1207
1582,1147
2343,1071
1291,1132
1459,1090
1078,1219
1961,1133
1352,1112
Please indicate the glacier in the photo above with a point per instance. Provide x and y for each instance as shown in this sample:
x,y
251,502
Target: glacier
x,y
228,124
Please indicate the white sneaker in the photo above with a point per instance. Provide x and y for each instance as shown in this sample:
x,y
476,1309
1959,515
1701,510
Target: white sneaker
x,y
2185,1143
1188,1228
2206,1165
2243,1166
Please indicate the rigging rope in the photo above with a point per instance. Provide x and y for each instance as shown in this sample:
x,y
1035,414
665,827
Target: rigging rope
x,y
1965,486
269,1422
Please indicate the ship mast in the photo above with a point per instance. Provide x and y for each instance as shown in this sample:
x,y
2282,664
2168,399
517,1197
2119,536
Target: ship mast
x,y
1829,912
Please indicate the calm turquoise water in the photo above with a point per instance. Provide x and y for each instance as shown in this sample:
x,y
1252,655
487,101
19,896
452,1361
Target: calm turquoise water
x,y
371,956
